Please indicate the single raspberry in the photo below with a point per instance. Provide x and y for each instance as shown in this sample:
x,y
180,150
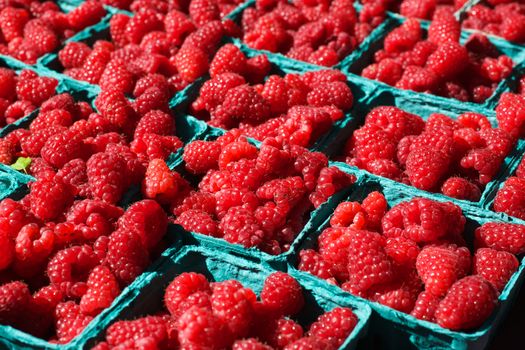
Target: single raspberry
x,y
284,332
417,9
114,107
74,54
41,38
159,183
199,327
250,344
178,25
106,174
404,37
147,219
236,151
212,91
444,27
426,166
70,321
331,180
126,256
348,214
7,83
206,37
501,236
282,294
197,221
334,326
395,122
7,152
510,199
308,343
461,188
449,59
13,21
152,99
182,288
116,77
370,143
468,303
102,289
234,197
484,161
426,306
333,248
314,263
62,147
15,299
228,59
375,207
191,63
34,244
402,251
85,15
240,226
49,198
440,267
337,94
17,110
203,11
50,118
201,201
36,90
258,67
150,326
242,103
144,21
496,267
511,114
93,66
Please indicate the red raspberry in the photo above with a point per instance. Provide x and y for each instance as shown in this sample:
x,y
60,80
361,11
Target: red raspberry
x,y
85,15
147,219
334,326
417,79
212,91
348,214
102,290
375,207
236,151
36,90
511,114
510,199
308,343
234,197
15,300
370,143
242,103
448,60
94,65
250,344
182,289
74,54
146,327
12,21
331,180
50,118
282,294
337,94
126,256
49,198
41,38
426,306
333,248
240,226
159,183
228,59
116,77
485,161
191,63
468,303
106,174
460,188
203,11
7,83
7,152
417,9
200,201
258,67
114,107
496,267
199,327
70,321
368,263
444,27
144,21
152,99
440,267
395,122
206,37
18,110
426,166
178,26
402,251
286,332
32,144
117,28
34,244
501,236
404,37
194,220
62,147
232,304
201,156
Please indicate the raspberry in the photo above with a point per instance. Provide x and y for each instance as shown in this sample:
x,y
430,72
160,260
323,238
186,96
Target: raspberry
x,y
41,38
85,15
159,183
337,94
468,303
286,332
15,298
511,114
182,288
449,59
124,331
308,343
70,321
404,37
485,161
36,90
334,326
426,166
106,174
460,188
114,107
13,21
34,244
228,59
7,83
143,22
402,251
242,103
496,267
368,264
191,63
126,256
233,305
206,37
417,9
102,290
444,27
200,328
501,236
249,344
18,110
510,199
147,219
236,151
375,206
50,118
7,152
331,180
282,294
417,79
258,67
370,143
49,198
74,54
197,221
395,122
440,267
333,248
212,91
203,11
116,77
62,147
178,26
240,226
348,214
152,99
426,306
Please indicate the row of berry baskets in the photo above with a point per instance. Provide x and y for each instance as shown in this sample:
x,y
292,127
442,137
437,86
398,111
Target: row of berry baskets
x,y
353,213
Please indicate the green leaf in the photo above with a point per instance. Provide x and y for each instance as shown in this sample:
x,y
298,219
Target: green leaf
x,y
21,164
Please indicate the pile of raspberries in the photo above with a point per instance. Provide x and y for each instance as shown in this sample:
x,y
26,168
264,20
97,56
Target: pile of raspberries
x,y
318,32
439,64
152,52
502,18
255,197
413,258
454,157
31,29
297,108
22,94
226,315
199,8
423,9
